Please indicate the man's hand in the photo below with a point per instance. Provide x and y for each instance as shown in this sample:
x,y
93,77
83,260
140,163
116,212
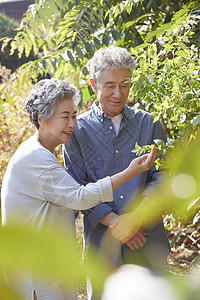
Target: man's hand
x,y
137,241
126,226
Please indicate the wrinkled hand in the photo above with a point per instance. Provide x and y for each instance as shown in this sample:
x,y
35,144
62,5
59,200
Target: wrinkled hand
x,y
125,227
137,241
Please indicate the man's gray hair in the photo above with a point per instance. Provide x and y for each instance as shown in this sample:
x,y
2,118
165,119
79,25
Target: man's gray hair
x,y
110,58
44,97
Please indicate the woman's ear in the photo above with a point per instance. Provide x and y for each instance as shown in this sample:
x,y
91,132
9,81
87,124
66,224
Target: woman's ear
x,y
40,122
93,84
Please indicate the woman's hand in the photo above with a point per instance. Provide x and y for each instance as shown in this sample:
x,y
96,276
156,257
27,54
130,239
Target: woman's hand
x,y
144,162
137,166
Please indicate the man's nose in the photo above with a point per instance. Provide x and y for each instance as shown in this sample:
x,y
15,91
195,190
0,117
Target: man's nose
x,y
117,92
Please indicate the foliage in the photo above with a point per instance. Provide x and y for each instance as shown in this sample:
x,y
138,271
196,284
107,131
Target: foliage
x,y
15,128
163,36
166,80
161,147
11,62
55,258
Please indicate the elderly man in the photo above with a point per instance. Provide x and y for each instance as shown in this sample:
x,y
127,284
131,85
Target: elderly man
x,y
101,145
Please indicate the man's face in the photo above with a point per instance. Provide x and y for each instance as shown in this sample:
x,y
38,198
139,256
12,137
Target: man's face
x,y
112,90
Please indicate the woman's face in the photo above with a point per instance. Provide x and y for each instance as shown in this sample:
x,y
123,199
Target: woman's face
x,y
59,127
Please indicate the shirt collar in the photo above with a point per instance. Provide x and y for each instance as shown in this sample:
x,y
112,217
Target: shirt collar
x,y
100,114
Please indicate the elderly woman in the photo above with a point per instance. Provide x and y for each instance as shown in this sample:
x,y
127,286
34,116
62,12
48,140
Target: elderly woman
x,y
36,190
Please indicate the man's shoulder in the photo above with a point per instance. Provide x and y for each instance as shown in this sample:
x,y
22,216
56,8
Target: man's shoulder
x,y
88,117
139,113
85,115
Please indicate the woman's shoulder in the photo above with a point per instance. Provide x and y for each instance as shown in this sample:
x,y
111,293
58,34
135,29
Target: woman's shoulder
x,y
31,152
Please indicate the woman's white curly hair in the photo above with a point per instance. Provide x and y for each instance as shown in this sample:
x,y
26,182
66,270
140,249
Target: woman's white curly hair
x,y
44,97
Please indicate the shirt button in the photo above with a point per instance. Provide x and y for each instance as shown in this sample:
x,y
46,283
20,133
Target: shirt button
x,y
121,197
111,127
117,151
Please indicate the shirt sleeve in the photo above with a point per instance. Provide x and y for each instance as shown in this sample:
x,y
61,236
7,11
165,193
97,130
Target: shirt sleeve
x,y
57,186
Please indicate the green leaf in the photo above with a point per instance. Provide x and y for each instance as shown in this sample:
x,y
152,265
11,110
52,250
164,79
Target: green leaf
x,y
45,48
34,29
40,23
1,104
27,45
71,57
21,48
45,63
115,35
2,87
85,71
53,6
160,142
56,257
9,99
161,30
150,79
86,95
80,52
97,42
22,79
143,64
43,17
60,4
16,90
59,70
106,39
181,53
47,11
54,62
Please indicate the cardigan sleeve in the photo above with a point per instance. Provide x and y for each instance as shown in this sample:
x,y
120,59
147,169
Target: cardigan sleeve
x,y
57,186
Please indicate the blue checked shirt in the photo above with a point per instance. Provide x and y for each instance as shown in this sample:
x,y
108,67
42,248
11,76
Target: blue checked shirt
x,y
95,151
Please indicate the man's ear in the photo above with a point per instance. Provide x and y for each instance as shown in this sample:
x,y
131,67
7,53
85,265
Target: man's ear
x,y
93,84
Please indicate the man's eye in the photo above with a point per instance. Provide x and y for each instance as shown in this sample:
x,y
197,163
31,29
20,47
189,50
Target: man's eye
x,y
110,87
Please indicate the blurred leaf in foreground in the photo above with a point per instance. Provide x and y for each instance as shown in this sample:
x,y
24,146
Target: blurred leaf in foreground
x,y
47,255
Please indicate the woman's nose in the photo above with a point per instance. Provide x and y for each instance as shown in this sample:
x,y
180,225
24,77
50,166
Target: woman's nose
x,y
72,123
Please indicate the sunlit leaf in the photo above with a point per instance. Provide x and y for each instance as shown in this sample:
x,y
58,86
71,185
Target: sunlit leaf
x,y
9,99
16,90
2,87
53,6
86,95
